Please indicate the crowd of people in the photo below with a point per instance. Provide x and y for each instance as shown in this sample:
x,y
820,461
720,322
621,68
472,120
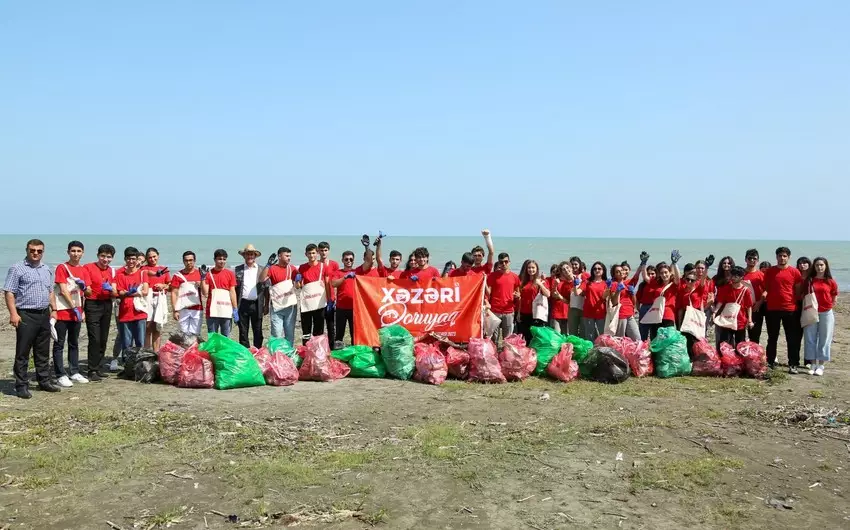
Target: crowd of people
x,y
47,304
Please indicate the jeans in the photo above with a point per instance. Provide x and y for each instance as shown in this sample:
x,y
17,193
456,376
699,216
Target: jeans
x,y
754,334
819,337
561,325
786,319
98,320
283,323
71,329
731,336
574,321
592,328
643,328
506,326
219,325
33,333
312,324
628,327
132,333
250,316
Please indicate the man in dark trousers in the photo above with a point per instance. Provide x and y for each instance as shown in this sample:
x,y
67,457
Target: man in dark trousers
x,y
99,298
251,297
31,303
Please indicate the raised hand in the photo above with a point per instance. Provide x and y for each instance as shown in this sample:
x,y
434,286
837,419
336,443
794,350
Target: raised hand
x,y
272,260
204,271
365,240
644,257
709,260
675,256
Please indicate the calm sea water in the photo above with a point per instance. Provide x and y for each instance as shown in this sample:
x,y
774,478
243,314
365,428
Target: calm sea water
x,y
545,251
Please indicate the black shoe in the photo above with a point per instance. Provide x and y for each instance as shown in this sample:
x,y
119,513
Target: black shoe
x,y
23,392
94,376
49,387
793,370
771,365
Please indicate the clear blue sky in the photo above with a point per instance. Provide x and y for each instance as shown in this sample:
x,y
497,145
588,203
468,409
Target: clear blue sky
x,y
546,118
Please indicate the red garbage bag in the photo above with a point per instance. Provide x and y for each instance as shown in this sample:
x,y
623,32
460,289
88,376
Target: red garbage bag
x,y
731,363
431,365
458,362
615,343
755,359
280,370
637,354
170,356
263,357
318,364
563,367
516,359
483,363
196,370
706,360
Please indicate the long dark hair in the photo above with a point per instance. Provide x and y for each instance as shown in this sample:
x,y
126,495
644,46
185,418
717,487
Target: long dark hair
x,y
827,275
604,271
524,278
721,277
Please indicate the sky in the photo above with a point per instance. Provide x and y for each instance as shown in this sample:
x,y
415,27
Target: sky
x,y
548,118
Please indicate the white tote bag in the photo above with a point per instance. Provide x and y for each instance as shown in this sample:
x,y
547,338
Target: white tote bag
x,y
220,306
656,313
158,302
313,295
728,316
810,314
540,307
283,294
187,294
141,303
694,321
491,323
612,318
73,289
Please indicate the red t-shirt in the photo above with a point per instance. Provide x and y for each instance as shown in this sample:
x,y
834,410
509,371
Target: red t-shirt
x,y
487,268
344,291
395,273
826,292
153,280
694,298
594,299
653,290
331,265
224,279
279,273
373,272
423,274
77,272
502,286
96,276
780,284
527,294
560,308
627,305
310,273
194,276
642,297
126,310
756,279
727,294
456,273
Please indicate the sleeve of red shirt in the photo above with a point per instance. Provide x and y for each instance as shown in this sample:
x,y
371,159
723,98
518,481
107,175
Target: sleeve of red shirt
x,y
61,274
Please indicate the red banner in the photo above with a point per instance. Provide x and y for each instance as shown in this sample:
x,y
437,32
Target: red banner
x,y
448,306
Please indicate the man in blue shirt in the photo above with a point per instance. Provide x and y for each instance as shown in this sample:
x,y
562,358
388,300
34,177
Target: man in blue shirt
x,y
31,303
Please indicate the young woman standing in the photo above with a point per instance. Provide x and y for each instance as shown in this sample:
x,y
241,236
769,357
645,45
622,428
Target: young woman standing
x,y
819,335
804,265
593,290
734,292
576,310
690,296
531,284
644,301
560,285
623,292
666,286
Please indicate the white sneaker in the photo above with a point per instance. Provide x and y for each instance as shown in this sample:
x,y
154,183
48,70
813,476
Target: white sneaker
x,y
812,370
64,382
79,378
113,366
819,370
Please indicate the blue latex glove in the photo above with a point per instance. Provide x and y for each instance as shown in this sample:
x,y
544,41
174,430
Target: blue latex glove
x,y
106,287
675,256
133,290
414,278
298,278
81,284
350,275
620,287
577,282
608,283
632,289
236,315
78,314
330,307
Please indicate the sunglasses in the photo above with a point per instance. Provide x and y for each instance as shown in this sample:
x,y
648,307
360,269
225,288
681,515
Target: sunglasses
x,y
752,258
690,280
36,250
347,259
597,268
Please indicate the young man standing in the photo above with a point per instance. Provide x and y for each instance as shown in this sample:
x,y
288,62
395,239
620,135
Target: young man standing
x,y
754,278
31,304
467,267
504,287
99,298
251,297
283,303
219,287
131,284
395,262
479,266
422,270
343,281
71,283
186,296
313,280
331,268
780,282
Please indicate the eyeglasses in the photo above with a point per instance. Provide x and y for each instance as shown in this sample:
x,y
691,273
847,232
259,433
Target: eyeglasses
x,y
347,259
36,250
752,258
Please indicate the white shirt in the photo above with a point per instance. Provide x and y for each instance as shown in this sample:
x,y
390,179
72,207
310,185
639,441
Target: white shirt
x,y
249,282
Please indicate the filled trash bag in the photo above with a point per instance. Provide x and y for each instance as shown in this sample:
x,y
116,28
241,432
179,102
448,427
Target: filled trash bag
x,y
146,367
546,343
706,360
233,364
397,351
431,367
458,362
318,364
170,356
280,370
281,345
731,363
262,356
607,365
581,348
129,356
483,363
184,340
196,370
670,353
615,343
516,359
563,367
639,357
755,359
363,360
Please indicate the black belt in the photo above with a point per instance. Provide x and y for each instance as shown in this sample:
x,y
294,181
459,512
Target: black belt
x,y
34,311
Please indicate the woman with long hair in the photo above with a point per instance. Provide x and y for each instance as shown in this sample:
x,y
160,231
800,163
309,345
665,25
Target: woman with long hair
x,y
690,296
560,285
531,284
594,290
819,335
724,272
623,292
644,301
666,285
804,265
735,292
158,280
576,309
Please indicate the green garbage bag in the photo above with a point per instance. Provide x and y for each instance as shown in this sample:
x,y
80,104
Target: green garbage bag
x,y
670,353
397,351
547,343
581,350
281,345
363,360
235,366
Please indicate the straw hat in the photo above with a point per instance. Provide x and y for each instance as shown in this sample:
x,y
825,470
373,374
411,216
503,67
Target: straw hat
x,y
250,248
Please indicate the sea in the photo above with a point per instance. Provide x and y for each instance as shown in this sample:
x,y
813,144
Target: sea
x,y
546,251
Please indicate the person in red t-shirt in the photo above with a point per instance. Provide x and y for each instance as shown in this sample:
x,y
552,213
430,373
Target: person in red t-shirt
x,y
467,267
594,290
283,306
532,284
343,280
158,280
754,279
504,287
734,291
186,296
644,301
478,265
331,267
819,335
220,284
665,284
313,272
72,281
129,285
422,271
623,293
393,271
780,283
99,296
574,313
560,286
